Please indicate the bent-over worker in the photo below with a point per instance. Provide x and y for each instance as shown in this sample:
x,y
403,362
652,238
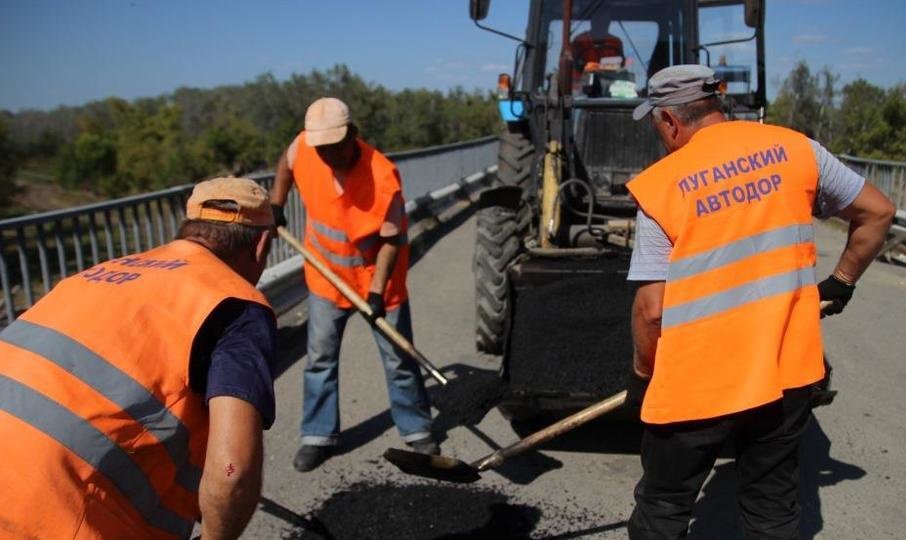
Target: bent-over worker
x,y
133,395
356,225
726,317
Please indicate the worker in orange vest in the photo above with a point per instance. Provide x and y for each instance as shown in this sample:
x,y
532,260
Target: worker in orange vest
x,y
355,223
133,395
596,46
726,318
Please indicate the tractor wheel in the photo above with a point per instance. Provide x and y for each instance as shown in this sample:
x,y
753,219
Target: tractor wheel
x,y
498,243
514,159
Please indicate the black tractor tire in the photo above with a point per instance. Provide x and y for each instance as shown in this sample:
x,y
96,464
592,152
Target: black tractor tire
x,y
514,158
499,241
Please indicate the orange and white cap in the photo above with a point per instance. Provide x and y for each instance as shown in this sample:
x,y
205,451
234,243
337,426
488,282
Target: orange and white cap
x,y
326,121
250,202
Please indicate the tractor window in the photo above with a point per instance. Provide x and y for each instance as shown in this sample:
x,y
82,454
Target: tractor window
x,y
615,44
734,62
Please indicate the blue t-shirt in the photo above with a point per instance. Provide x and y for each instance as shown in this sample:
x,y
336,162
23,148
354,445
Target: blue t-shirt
x,y
838,186
234,355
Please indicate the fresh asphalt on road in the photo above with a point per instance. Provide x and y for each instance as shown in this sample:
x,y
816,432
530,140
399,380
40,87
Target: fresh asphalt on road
x,y
853,459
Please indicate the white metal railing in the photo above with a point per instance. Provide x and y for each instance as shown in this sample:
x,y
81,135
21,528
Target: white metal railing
x,y
39,250
888,176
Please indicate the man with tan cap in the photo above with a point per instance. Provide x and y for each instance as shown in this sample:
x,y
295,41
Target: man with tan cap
x,y
134,394
356,224
726,318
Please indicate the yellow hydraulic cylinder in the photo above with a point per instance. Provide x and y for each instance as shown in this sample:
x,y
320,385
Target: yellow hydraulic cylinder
x,y
550,183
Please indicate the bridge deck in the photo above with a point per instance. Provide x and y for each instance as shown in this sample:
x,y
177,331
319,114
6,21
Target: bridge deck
x,y
581,486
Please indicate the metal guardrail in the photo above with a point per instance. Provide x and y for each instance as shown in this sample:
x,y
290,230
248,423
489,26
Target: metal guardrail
x,y
888,176
39,250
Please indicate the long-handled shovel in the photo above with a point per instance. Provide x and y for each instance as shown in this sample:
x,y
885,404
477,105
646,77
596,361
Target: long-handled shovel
x,y
380,323
454,470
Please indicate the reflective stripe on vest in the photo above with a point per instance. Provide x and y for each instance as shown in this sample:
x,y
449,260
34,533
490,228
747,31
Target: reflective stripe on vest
x,y
348,261
94,448
363,244
737,296
748,292
739,250
112,383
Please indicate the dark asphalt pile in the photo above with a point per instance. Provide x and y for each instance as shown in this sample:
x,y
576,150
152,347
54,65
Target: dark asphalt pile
x,y
465,400
571,328
426,512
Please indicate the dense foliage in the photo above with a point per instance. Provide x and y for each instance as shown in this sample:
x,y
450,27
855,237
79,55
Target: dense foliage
x,y
859,119
114,147
9,163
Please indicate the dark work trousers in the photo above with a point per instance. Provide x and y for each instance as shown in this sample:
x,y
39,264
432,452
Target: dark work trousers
x,y
677,457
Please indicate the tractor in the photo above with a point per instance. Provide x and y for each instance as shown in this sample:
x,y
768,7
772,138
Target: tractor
x,y
554,235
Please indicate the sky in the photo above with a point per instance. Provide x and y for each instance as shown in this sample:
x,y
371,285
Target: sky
x,y
69,52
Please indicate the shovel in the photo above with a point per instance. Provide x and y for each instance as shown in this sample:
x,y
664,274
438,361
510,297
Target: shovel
x,y
453,470
384,327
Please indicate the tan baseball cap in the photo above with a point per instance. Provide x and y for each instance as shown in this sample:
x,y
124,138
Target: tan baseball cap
x,y
326,121
252,205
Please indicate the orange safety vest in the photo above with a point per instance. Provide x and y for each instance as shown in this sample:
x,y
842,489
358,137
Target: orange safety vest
x,y
740,315
343,230
102,435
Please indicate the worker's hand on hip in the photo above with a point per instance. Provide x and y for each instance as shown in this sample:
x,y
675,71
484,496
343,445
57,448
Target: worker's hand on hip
x,y
376,303
836,292
279,215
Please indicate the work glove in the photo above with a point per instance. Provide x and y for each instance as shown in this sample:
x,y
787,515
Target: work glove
x,y
376,303
635,391
836,292
279,216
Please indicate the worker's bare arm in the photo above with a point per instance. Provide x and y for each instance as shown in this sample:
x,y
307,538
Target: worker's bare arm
x,y
869,216
283,180
231,483
386,260
647,310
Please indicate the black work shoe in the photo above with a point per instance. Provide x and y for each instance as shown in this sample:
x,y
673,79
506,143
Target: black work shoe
x,y
425,446
308,457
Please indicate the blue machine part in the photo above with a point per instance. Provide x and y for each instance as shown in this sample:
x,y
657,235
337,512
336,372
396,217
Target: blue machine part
x,y
511,110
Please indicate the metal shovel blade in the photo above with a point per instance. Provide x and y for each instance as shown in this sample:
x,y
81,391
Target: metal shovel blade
x,y
436,467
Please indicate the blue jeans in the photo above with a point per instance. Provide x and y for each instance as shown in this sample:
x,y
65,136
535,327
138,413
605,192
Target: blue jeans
x,y
409,405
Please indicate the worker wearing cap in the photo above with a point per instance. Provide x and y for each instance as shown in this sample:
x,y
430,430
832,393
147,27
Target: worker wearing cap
x,y
133,395
726,317
356,225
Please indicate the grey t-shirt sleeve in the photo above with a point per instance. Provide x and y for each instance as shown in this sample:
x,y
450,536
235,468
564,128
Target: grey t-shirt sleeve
x,y
838,185
650,252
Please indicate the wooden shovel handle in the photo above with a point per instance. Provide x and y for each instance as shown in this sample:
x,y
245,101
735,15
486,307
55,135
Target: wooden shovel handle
x,y
380,323
554,430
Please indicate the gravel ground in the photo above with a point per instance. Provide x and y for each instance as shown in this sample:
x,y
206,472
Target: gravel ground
x,y
579,486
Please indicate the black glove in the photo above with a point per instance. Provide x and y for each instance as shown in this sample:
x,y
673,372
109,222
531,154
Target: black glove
x,y
279,216
635,392
376,303
835,291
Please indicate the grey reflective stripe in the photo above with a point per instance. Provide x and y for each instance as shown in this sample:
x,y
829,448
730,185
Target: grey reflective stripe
x,y
737,296
334,234
94,448
115,385
739,250
339,260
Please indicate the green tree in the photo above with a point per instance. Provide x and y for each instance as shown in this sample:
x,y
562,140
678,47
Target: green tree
x,y
806,103
9,164
864,128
